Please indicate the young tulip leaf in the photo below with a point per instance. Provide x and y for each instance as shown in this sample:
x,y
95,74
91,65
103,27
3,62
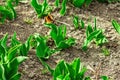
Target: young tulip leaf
x,y
60,70
58,34
78,3
2,72
25,47
95,26
66,43
45,4
89,30
11,7
36,6
3,44
14,40
87,2
12,52
5,13
9,59
15,77
41,9
42,48
82,24
63,10
57,3
67,77
66,71
94,34
13,66
100,39
53,32
90,38
76,22
116,26
104,78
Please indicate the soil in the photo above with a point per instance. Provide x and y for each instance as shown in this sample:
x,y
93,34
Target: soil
x,y
32,68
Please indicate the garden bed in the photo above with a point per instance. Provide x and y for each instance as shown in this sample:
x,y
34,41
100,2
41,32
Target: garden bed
x,y
32,68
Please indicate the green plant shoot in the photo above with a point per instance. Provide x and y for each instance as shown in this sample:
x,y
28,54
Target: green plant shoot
x,y
42,50
9,61
78,23
94,34
58,34
57,3
116,26
41,9
25,47
78,3
63,10
69,71
104,78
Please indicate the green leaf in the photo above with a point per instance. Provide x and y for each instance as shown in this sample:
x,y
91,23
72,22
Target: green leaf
x,y
13,2
14,40
87,78
66,43
101,39
81,74
43,51
67,77
58,34
88,30
36,6
45,4
82,24
90,38
60,77
2,72
57,3
25,47
95,26
73,71
61,34
87,2
60,70
53,32
78,3
11,7
76,65
116,26
4,44
63,10
41,9
104,78
76,22
12,52
15,77
6,13
13,66
41,47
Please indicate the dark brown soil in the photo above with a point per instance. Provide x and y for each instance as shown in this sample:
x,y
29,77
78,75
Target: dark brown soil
x,y
32,68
